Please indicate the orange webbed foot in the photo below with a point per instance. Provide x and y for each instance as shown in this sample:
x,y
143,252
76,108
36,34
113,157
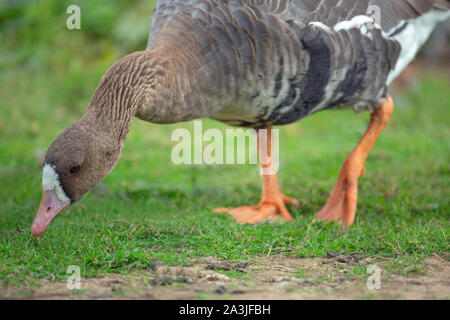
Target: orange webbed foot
x,y
272,205
341,205
270,208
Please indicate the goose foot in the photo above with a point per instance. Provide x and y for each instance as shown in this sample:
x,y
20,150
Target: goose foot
x,y
271,207
272,204
341,205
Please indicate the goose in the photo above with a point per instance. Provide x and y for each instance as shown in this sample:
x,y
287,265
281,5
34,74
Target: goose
x,y
247,63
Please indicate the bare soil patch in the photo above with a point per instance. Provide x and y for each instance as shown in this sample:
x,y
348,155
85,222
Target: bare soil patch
x,y
268,277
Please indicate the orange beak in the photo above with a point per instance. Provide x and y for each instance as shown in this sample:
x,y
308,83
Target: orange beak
x,y
49,208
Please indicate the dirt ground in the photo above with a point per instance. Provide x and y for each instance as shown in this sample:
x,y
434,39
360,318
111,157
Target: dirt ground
x,y
268,277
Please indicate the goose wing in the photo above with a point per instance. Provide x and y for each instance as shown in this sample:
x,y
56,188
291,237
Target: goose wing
x,y
392,13
275,61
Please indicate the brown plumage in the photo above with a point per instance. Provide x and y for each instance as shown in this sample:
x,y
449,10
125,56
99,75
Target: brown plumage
x,y
253,63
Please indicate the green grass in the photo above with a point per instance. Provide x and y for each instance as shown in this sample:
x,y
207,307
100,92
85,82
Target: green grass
x,y
149,209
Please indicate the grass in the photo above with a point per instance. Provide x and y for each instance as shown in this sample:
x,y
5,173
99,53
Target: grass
x,y
149,209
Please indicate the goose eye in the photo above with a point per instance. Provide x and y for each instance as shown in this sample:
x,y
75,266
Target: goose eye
x,y
74,169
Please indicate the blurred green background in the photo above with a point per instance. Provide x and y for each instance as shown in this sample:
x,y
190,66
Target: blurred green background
x,y
56,62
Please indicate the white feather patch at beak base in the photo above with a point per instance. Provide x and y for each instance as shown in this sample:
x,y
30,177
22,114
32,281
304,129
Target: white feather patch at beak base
x,y
50,181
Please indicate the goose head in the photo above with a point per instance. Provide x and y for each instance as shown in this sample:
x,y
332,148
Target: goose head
x,y
74,164
86,152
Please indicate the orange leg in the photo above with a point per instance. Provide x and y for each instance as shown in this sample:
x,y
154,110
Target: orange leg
x,y
341,204
272,204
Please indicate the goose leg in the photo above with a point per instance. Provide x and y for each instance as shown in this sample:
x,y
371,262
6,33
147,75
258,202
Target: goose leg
x,y
341,204
272,204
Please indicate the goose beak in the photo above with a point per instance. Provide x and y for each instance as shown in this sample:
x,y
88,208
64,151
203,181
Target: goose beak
x,y
49,208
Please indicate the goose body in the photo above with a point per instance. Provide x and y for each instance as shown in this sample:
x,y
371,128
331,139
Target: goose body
x,y
252,63
260,63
